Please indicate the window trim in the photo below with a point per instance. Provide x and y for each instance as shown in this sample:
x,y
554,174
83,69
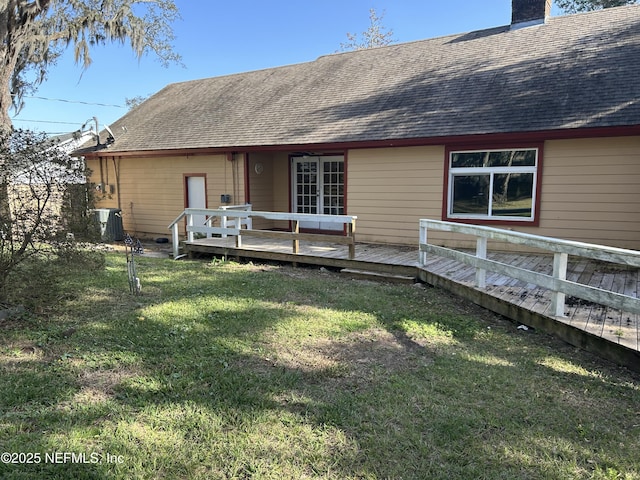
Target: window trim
x,y
478,220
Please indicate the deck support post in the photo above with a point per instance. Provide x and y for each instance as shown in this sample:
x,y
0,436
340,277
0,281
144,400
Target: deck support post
x,y
560,262
481,252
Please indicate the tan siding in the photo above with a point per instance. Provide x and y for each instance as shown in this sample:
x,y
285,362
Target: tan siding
x,y
261,186
281,187
391,189
281,183
108,175
591,191
152,189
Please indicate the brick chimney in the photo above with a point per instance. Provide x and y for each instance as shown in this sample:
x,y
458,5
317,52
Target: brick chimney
x,y
525,13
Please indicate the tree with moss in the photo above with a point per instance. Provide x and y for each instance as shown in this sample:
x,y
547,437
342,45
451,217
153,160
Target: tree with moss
x,y
575,6
34,33
377,35
34,175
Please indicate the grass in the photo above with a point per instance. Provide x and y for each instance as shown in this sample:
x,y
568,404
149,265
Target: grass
x,y
222,370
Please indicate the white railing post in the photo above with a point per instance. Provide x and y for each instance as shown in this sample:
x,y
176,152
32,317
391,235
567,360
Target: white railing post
x,y
423,241
223,224
209,223
481,252
175,239
560,262
190,235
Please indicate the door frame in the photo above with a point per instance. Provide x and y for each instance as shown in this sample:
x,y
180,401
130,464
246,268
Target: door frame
x,y
320,158
185,182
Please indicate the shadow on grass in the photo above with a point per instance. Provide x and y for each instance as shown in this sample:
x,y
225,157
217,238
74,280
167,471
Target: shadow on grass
x,y
239,372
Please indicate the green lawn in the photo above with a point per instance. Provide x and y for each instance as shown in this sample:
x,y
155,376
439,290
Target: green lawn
x,y
222,370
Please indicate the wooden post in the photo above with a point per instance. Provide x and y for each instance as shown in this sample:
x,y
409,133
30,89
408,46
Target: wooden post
x,y
239,237
296,241
351,232
560,262
481,252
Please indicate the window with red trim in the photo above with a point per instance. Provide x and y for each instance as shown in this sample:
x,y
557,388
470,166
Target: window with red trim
x,y
493,184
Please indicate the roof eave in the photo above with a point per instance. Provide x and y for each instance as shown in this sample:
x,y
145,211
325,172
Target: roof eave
x,y
528,136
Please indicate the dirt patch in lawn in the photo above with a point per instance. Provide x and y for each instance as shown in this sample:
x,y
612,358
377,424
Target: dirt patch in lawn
x,y
358,356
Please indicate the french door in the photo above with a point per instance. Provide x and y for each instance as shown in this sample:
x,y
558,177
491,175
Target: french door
x,y
318,188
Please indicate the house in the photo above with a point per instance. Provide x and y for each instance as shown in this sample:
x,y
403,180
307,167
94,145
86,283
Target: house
x,y
37,172
48,186
532,126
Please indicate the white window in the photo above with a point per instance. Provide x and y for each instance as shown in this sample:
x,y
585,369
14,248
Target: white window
x,y
493,184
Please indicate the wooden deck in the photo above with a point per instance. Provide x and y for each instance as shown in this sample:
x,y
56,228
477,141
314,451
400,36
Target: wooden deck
x,y
393,260
522,302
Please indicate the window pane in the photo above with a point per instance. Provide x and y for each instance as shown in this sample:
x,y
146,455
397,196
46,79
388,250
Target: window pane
x,y
525,158
467,159
512,158
513,195
471,194
500,158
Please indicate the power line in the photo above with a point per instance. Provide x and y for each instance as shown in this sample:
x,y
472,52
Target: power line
x,y
45,121
74,101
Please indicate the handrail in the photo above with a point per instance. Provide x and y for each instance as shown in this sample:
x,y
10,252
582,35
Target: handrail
x,y
588,250
224,222
561,249
242,217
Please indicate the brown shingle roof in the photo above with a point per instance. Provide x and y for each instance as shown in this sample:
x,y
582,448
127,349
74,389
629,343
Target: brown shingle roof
x,y
575,71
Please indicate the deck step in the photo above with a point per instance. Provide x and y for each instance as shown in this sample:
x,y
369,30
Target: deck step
x,y
377,276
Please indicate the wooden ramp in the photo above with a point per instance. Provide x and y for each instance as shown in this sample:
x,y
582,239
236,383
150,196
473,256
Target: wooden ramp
x,y
504,294
593,327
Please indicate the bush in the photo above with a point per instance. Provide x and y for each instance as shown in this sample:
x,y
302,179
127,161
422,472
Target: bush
x,y
43,197
36,282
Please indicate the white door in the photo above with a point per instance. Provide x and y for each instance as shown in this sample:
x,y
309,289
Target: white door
x,y
197,197
318,188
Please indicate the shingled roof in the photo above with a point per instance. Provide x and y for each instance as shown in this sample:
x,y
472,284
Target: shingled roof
x,y
575,71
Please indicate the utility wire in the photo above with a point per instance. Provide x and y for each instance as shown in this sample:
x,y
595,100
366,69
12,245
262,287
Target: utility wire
x,y
73,101
45,121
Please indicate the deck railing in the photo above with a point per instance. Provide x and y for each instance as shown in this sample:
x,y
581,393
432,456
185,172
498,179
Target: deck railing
x,y
225,222
561,249
232,221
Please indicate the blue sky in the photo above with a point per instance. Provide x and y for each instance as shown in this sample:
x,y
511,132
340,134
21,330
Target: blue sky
x,y
217,37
